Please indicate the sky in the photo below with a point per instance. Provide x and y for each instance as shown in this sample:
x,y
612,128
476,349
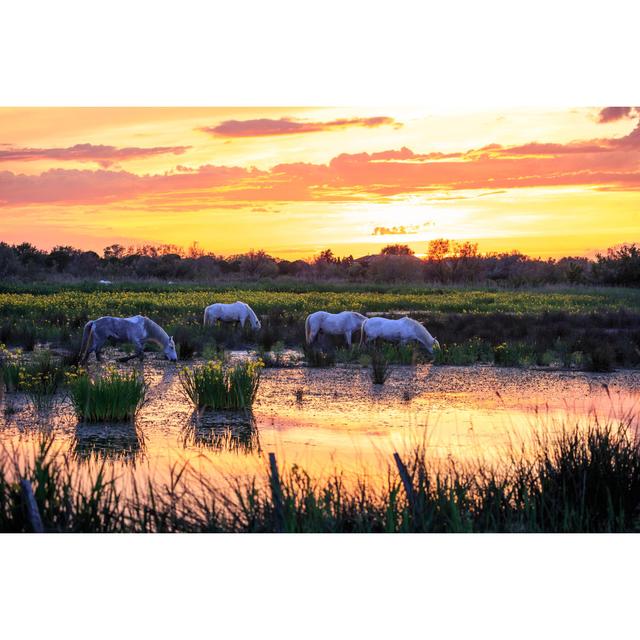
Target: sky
x,y
294,181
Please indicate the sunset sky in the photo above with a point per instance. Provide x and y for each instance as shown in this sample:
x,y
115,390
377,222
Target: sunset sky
x,y
294,181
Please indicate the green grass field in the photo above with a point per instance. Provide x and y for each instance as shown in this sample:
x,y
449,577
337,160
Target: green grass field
x,y
169,303
597,328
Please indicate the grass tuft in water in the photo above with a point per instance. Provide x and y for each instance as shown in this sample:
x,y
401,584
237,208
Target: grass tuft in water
x,y
315,357
379,367
109,397
216,386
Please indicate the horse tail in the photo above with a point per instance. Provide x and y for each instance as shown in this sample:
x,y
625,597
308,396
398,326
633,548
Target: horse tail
x,y
87,335
204,320
362,333
307,329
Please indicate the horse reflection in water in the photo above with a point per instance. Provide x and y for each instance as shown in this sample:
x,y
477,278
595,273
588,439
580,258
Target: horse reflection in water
x,y
223,430
109,442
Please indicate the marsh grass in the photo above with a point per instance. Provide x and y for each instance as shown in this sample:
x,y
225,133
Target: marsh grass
x,y
315,357
40,376
576,480
112,396
513,355
379,367
189,341
215,385
470,352
275,358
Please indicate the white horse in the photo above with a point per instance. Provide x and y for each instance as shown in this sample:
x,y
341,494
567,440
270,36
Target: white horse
x,y
137,329
335,324
235,312
403,330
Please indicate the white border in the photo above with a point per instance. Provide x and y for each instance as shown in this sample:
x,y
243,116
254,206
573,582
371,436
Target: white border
x,y
467,56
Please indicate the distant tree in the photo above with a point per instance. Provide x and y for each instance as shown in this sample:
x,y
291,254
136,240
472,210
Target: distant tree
x,y
83,263
258,263
61,256
397,250
29,254
438,249
9,263
621,265
395,268
114,252
326,256
194,251
464,250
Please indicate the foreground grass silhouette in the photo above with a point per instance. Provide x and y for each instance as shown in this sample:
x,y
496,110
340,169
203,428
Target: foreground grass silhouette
x,y
577,480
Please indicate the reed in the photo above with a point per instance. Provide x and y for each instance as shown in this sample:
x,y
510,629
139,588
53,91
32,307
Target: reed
x,y
379,367
218,386
109,397
576,480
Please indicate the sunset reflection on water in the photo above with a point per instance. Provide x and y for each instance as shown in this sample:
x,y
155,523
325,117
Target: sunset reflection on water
x,y
330,420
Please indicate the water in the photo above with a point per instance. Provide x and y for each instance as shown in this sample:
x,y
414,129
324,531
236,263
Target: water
x,y
327,420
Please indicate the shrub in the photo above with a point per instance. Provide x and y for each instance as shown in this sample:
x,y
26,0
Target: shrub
x,y
189,341
273,358
465,353
41,387
216,386
39,377
108,397
600,357
513,355
379,367
11,364
317,357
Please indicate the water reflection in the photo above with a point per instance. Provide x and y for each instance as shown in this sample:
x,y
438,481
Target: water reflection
x,y
223,431
111,442
330,419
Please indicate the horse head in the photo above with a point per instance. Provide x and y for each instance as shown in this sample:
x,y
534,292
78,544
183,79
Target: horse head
x,y
170,351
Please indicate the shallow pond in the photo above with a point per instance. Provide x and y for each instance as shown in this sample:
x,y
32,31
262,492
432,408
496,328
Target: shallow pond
x,y
334,419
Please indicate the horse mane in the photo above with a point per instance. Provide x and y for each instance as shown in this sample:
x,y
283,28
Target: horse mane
x,y
250,310
421,328
155,333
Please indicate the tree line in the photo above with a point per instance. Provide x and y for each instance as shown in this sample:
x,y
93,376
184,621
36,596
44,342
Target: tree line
x,y
445,261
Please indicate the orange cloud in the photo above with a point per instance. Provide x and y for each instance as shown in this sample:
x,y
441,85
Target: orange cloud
x,y
400,230
104,155
611,114
288,126
607,163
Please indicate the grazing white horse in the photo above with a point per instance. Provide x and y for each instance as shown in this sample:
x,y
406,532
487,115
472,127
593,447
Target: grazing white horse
x,y
403,330
335,324
137,329
235,312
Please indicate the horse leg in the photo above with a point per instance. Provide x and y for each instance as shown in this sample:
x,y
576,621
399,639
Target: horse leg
x,y
347,337
96,347
138,353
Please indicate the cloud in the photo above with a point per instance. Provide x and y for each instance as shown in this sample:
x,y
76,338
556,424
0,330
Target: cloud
x,y
611,114
395,231
598,145
606,163
84,186
104,155
289,126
